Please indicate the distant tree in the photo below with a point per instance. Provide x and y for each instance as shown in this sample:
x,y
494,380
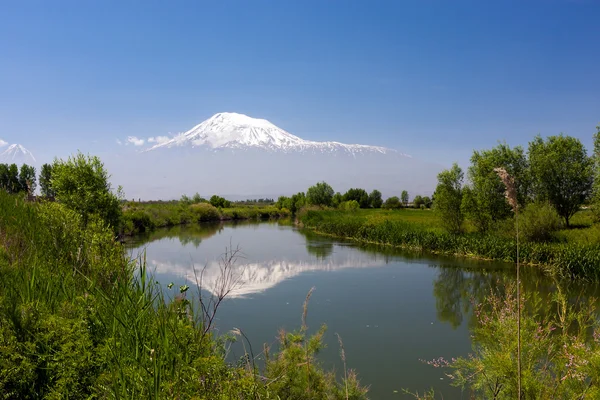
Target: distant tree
x,y
218,201
82,184
46,181
375,200
282,202
427,202
198,199
448,199
392,203
359,195
404,197
13,183
4,181
320,194
185,199
562,173
337,199
418,201
27,179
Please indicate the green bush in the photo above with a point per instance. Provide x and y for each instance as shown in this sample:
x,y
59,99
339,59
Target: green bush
x,y
205,212
538,221
350,205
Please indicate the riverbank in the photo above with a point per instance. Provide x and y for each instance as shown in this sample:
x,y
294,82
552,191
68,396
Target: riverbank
x,y
78,317
420,232
144,217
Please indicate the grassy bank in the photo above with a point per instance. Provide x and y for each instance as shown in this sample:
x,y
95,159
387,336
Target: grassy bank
x,y
143,217
80,320
570,255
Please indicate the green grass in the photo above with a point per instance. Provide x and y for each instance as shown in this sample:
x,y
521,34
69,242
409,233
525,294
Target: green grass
x,y
78,319
420,230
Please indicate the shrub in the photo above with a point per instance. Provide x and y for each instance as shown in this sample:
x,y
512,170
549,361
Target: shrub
x,y
351,205
538,221
205,212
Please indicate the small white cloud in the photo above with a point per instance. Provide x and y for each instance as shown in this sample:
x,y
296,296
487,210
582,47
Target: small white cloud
x,y
135,141
119,142
159,139
3,143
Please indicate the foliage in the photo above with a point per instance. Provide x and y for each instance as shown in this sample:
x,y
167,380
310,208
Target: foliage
x,y
392,203
560,359
538,221
27,179
350,205
358,195
562,173
418,201
219,202
448,199
293,204
375,200
404,197
13,180
427,202
485,201
337,200
81,184
321,194
46,181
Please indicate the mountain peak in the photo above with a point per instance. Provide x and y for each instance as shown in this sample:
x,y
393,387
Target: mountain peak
x,y
229,130
16,152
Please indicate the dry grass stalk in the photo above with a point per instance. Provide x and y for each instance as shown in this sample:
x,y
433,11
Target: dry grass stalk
x,y
305,307
511,198
343,356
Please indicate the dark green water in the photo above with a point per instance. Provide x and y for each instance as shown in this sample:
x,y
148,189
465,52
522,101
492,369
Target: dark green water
x,y
391,308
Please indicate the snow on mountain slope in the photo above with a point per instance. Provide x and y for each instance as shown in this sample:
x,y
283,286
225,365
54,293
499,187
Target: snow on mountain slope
x,y
238,131
16,153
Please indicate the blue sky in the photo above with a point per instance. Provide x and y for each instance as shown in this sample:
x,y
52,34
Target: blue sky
x,y
435,79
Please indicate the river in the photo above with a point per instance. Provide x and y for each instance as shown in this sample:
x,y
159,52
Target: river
x,y
391,308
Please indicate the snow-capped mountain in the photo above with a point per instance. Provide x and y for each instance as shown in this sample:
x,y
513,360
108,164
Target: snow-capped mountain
x,y
239,131
16,153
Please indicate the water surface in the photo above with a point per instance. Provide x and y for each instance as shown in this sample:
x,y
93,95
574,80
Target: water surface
x,y
392,309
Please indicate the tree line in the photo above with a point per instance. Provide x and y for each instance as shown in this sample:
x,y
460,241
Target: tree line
x,y
322,194
553,179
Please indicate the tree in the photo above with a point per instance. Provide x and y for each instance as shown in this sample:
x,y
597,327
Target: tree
x,y
448,199
81,184
358,195
484,200
4,177
404,197
418,201
562,173
337,199
427,201
46,181
392,203
375,200
320,194
13,183
27,179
